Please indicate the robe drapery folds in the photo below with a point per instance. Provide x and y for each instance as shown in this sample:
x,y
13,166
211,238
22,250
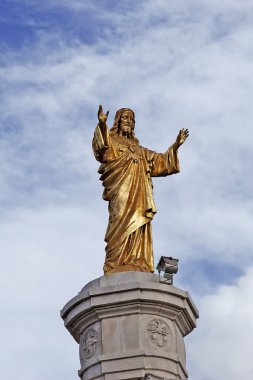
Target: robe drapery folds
x,y
126,170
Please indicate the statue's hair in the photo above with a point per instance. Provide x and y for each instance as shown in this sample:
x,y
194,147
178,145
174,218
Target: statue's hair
x,y
115,129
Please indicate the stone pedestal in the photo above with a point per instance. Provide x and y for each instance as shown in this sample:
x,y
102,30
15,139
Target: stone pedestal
x,y
130,326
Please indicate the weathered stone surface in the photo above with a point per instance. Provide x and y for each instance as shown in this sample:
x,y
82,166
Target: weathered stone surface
x,y
129,325
151,377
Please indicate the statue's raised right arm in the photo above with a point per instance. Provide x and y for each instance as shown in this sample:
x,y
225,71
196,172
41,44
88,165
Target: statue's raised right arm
x,y
102,118
101,139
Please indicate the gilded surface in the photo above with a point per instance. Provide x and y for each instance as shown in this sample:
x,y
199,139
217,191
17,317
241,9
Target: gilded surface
x,y
126,173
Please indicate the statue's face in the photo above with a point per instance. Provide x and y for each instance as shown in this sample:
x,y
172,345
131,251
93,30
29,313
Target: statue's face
x,y
126,124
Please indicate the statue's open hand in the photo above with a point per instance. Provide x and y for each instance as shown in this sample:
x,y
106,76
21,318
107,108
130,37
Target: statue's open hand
x,y
182,136
101,116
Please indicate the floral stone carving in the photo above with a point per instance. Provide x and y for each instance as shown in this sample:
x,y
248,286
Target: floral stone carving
x,y
158,332
89,342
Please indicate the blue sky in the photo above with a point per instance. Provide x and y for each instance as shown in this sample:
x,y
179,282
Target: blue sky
x,y
178,64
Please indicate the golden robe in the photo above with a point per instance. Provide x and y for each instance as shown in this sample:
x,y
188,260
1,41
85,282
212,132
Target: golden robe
x,y
126,173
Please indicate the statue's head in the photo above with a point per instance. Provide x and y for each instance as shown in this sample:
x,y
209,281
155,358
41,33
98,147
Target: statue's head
x,y
124,123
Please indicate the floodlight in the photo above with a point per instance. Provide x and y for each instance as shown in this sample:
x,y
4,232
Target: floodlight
x,y
169,266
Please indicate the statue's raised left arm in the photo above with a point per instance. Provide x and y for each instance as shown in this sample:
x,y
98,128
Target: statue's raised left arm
x,y
163,164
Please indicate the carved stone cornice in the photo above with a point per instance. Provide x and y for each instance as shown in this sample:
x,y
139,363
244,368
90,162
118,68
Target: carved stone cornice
x,y
126,323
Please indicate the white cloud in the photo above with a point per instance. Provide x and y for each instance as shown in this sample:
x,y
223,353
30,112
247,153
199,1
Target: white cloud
x,y
220,348
47,256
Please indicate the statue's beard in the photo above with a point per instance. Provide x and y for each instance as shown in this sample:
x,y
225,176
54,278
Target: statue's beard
x,y
127,132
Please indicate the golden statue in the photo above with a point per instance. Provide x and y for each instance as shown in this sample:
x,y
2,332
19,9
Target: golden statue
x,y
126,170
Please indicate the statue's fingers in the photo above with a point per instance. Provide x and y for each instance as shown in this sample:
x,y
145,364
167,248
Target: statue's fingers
x,y
100,109
107,113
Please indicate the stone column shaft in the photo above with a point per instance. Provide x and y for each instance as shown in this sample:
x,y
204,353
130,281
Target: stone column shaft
x,y
129,325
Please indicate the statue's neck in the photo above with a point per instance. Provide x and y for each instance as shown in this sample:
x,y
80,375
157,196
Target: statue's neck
x,y
127,140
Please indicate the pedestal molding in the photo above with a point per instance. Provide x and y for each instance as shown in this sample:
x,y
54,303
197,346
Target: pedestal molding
x,y
129,324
